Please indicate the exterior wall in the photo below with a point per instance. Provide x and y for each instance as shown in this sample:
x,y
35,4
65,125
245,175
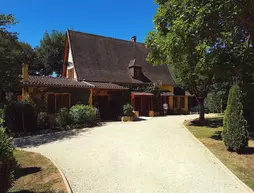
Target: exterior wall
x,y
186,104
178,108
76,95
71,64
167,87
171,89
178,98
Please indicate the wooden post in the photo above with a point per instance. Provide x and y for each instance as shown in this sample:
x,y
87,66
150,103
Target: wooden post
x,y
141,109
91,97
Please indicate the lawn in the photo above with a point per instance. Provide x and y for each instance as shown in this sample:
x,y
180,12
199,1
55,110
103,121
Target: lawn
x,y
36,174
209,133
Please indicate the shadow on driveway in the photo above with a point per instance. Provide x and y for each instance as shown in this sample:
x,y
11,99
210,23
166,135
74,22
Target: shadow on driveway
x,y
33,141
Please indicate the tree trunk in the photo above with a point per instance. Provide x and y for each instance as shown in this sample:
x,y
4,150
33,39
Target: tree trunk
x,y
202,110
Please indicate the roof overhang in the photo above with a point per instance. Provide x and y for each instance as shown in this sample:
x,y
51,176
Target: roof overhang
x,y
142,94
106,85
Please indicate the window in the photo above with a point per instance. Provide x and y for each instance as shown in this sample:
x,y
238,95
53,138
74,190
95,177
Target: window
x,y
182,102
137,72
56,101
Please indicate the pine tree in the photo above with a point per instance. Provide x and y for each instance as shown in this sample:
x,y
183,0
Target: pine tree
x,y
235,134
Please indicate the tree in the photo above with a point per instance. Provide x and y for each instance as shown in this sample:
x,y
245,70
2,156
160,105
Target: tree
x,y
182,39
202,41
9,55
216,100
27,56
235,134
50,53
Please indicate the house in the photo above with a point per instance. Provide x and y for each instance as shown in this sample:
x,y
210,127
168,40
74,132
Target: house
x,y
106,72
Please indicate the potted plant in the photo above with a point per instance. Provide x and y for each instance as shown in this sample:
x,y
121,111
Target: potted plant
x,y
128,113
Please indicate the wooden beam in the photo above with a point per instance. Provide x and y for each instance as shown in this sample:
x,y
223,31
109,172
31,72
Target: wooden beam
x,y
91,98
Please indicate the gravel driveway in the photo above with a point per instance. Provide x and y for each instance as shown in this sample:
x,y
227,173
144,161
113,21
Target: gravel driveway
x,y
151,156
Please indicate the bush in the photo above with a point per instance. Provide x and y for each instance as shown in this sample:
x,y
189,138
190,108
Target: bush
x,y
21,116
7,161
83,114
1,117
42,121
235,134
63,118
128,110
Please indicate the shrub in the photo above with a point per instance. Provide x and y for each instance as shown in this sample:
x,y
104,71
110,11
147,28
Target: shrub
x,y
128,110
235,134
83,114
21,116
1,117
63,118
42,121
7,161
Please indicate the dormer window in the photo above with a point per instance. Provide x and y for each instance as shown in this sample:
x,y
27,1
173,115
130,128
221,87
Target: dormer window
x,y
135,69
137,72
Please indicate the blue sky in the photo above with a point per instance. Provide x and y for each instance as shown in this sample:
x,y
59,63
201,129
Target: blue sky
x,y
114,18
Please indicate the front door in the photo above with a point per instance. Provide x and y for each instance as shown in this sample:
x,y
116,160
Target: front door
x,y
103,107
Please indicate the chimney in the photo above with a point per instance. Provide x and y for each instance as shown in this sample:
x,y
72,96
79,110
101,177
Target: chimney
x,y
25,72
134,38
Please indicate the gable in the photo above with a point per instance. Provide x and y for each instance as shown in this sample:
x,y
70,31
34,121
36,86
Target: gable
x,y
107,59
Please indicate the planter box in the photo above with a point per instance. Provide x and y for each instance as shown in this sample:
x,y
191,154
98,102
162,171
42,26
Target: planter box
x,y
136,113
151,113
127,118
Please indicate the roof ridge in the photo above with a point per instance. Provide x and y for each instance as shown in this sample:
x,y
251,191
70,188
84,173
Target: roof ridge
x,y
106,37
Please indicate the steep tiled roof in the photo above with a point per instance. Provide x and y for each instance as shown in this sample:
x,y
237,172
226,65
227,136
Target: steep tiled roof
x,y
105,59
65,82
54,82
106,85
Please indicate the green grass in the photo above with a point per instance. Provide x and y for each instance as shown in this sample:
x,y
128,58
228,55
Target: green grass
x,y
36,174
209,133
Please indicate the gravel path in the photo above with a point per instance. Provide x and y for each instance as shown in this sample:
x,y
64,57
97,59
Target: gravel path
x,y
153,156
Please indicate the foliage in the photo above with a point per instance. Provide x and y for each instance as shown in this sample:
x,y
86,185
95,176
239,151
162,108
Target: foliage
x,y
7,161
42,121
196,37
235,134
9,55
128,110
213,103
63,118
21,116
216,100
1,117
83,114
50,53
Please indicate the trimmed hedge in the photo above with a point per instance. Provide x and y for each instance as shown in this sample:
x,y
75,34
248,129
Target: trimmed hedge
x,y
63,118
83,114
43,121
235,134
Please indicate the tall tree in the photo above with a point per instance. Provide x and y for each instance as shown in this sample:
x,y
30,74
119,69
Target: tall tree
x,y
202,41
50,53
9,55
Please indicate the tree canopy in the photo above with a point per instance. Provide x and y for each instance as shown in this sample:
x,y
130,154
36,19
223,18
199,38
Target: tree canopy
x,y
50,53
9,55
203,42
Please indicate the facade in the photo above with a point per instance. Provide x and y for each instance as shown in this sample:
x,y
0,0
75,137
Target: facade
x,y
107,73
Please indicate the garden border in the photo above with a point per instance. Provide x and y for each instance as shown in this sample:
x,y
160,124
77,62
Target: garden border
x,y
223,165
65,180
